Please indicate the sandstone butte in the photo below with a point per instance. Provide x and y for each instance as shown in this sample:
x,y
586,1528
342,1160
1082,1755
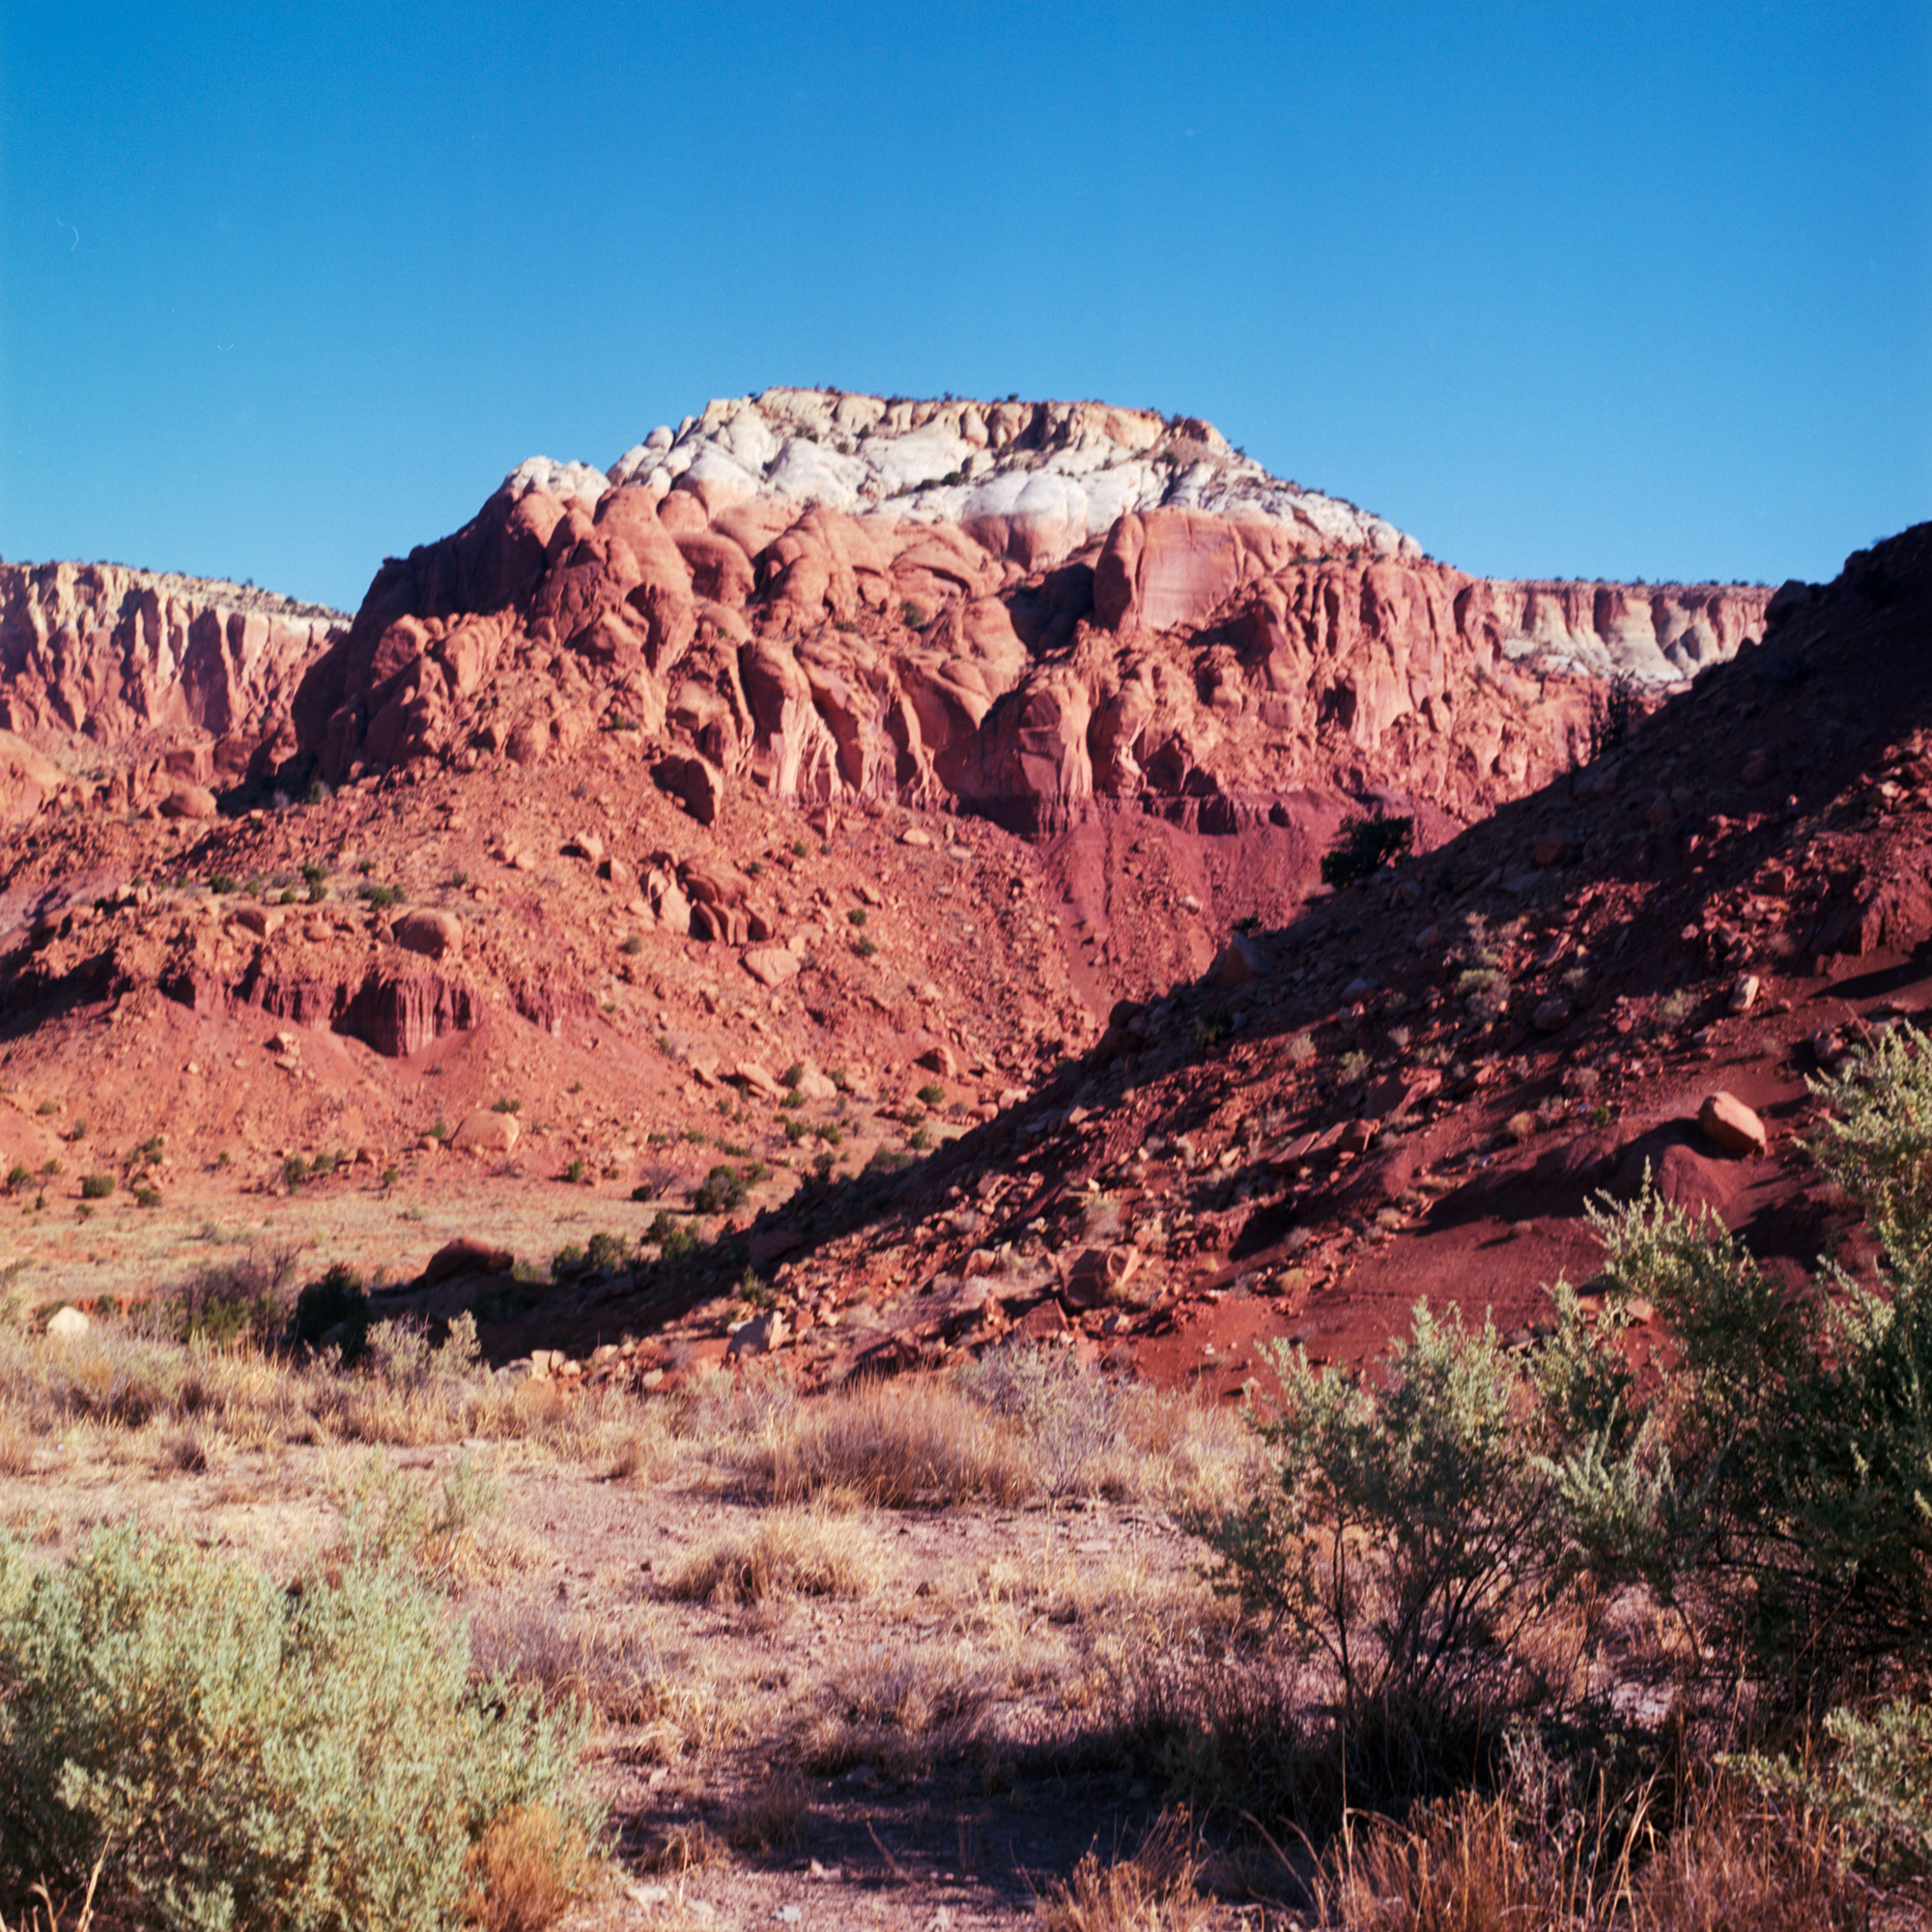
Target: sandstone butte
x,y
1031,611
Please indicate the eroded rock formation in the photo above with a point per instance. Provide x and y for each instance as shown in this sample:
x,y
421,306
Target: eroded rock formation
x,y
1013,609
189,679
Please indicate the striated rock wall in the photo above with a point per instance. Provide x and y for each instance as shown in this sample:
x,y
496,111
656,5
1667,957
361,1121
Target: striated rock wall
x,y
132,659
1015,608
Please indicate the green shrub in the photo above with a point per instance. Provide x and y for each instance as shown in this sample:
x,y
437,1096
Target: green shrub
x,y
567,1259
230,1752
674,1242
1398,1537
505,1105
381,896
576,1174
857,915
632,945
220,883
96,1187
1364,846
932,1094
605,1251
722,1189
884,1160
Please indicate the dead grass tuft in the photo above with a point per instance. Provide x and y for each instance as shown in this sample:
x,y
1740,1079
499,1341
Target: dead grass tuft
x,y
790,1552
772,1817
526,1869
1156,1891
889,1448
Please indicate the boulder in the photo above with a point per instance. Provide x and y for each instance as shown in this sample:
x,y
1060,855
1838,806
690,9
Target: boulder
x,y
759,1336
485,1131
758,1080
1726,1120
1095,1276
189,801
1551,1015
69,1322
814,1085
435,935
1235,965
771,965
941,1060
467,1255
696,782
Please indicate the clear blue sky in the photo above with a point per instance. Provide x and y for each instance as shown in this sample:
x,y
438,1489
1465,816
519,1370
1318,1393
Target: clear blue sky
x,y
1621,289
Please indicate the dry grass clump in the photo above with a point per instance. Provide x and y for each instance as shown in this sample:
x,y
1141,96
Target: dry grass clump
x,y
631,1674
526,1870
1020,1425
789,1553
889,1446
408,1397
1486,1865
771,1817
902,1706
1156,1891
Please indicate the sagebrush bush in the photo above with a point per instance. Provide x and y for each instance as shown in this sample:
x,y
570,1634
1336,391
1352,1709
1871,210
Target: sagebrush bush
x,y
233,1753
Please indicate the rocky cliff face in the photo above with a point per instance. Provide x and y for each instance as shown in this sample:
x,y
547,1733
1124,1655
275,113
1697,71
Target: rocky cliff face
x,y
1020,610
143,663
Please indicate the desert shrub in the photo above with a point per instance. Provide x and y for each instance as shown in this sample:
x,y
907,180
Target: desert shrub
x,y
932,1094
248,1300
96,1187
1399,1539
230,1752
722,1189
1363,846
1069,1416
605,1251
332,1312
1877,1786
884,1160
1615,708
1782,1485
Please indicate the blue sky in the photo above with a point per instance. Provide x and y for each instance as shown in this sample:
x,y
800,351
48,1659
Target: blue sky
x,y
1623,289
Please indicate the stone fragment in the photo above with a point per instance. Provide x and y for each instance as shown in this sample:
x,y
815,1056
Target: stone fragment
x,y
1743,995
941,1060
1551,848
435,934
485,1131
1238,964
773,1245
1725,1120
1551,1015
916,834
69,1322
759,1080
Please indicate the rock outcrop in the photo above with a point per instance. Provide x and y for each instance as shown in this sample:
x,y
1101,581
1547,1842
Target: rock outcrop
x,y
191,679
1019,609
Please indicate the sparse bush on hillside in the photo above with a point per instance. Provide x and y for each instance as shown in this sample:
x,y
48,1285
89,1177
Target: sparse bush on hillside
x,y
222,1752
1363,846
